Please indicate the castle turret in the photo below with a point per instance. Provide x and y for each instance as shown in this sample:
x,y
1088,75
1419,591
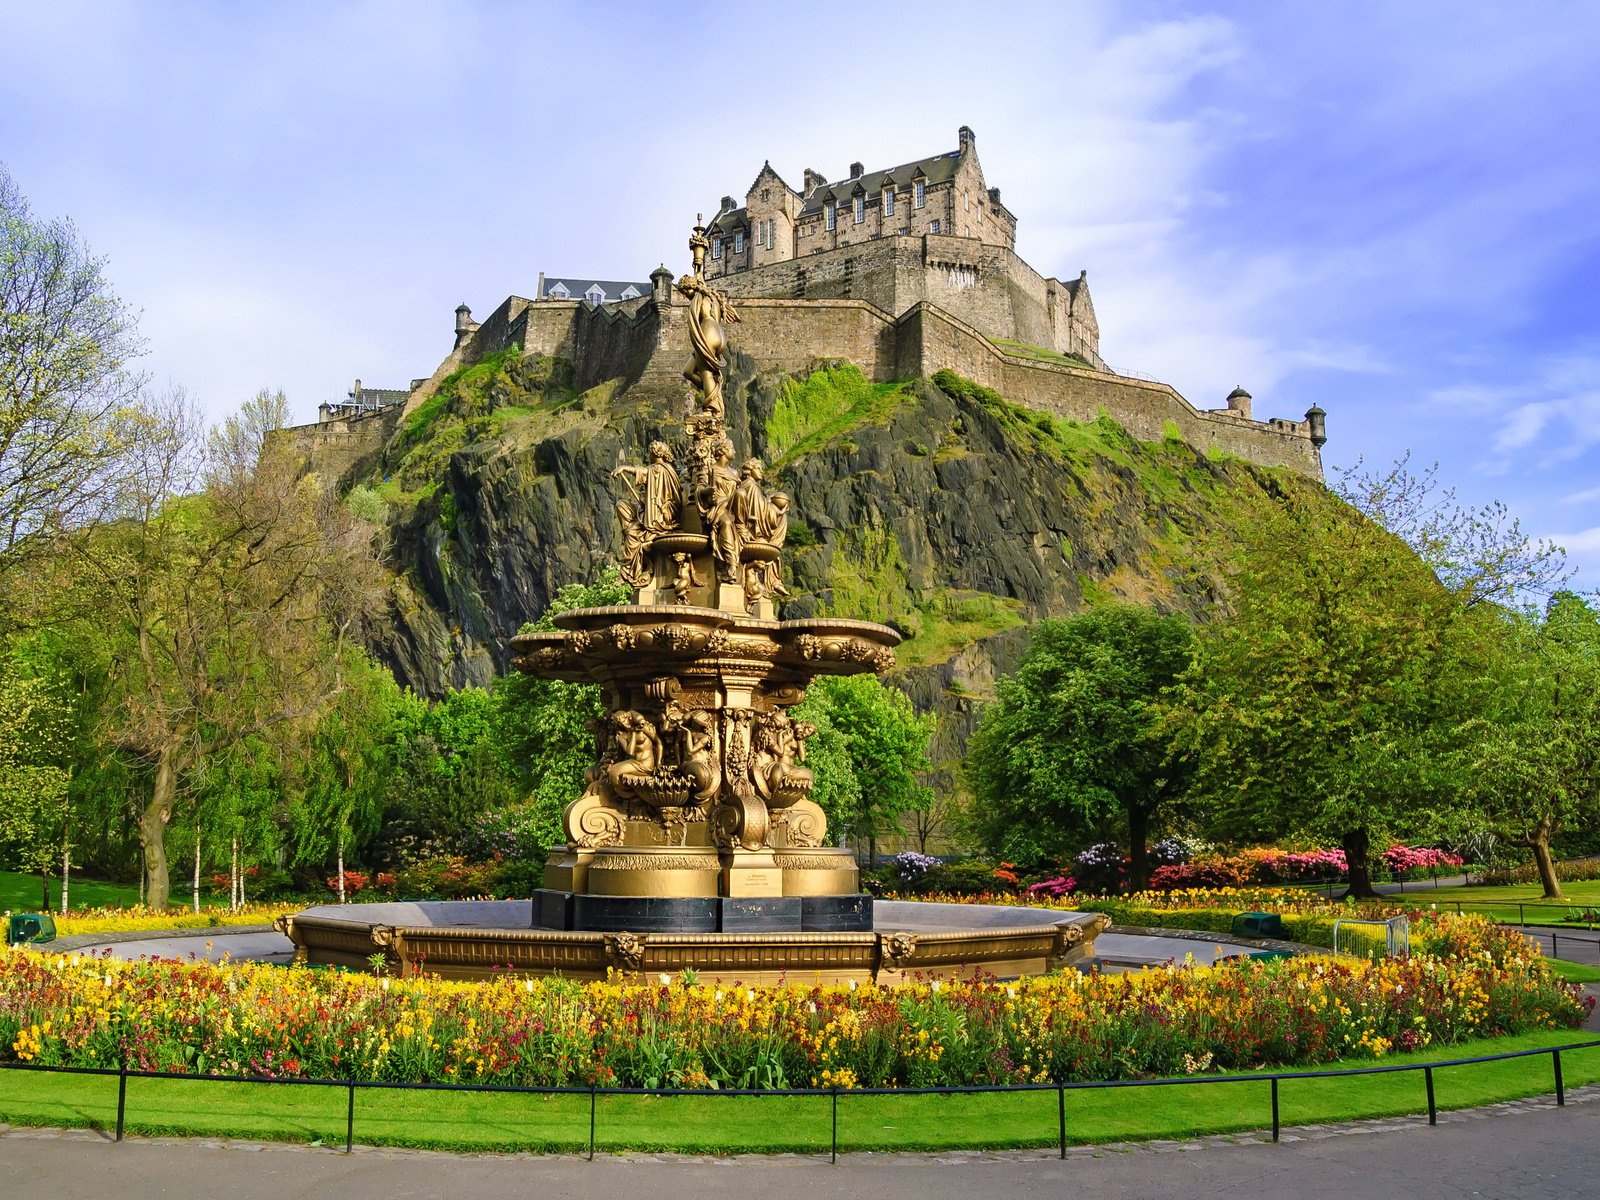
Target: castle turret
x,y
464,326
1239,402
661,286
1317,425
967,138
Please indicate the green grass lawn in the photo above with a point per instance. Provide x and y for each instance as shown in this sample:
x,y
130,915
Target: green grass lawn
x,y
1501,902
1574,972
20,893
711,1124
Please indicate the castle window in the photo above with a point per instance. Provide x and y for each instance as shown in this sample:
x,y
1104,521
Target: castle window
x,y
559,292
766,193
920,192
860,209
934,227
716,247
738,241
594,295
833,220
631,293
888,202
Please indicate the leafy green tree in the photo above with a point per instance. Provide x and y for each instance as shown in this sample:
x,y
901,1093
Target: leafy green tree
x,y
68,401
1073,748
226,587
1534,761
348,766
542,727
873,729
35,724
1327,704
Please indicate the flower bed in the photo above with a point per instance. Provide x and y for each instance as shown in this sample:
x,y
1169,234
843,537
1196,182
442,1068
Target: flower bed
x,y
86,1011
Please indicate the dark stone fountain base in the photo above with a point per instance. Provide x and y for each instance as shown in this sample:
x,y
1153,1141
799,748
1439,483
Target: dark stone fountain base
x,y
569,911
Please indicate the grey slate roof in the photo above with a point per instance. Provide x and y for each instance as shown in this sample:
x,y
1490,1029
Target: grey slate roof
x,y
577,289
941,168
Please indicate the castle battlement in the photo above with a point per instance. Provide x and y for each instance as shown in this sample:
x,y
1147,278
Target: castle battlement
x,y
905,272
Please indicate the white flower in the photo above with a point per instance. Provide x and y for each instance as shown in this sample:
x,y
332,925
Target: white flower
x,y
666,980
852,985
936,985
527,986
385,984
750,995
719,996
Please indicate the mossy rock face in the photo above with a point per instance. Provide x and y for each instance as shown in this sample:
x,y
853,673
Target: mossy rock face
x,y
505,496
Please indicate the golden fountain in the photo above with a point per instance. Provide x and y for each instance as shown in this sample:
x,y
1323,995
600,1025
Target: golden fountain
x,y
698,814
695,844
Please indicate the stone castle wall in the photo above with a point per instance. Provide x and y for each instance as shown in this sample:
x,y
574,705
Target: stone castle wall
x,y
643,343
333,449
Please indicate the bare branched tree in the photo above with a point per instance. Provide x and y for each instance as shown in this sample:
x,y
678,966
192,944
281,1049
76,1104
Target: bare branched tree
x,y
1480,554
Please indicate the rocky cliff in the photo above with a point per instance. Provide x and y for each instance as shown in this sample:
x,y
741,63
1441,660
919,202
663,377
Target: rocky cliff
x,y
933,504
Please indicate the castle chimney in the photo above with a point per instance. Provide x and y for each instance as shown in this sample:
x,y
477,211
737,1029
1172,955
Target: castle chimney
x,y
1317,421
812,182
857,170
727,205
994,195
661,286
966,137
1239,402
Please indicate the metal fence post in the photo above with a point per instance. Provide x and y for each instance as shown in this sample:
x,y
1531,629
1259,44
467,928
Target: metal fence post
x,y
591,1121
1433,1109
1061,1114
350,1121
1561,1090
835,1155
1276,1126
122,1097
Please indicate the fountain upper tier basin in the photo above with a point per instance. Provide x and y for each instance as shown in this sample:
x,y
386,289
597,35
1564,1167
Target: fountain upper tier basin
x,y
625,640
484,939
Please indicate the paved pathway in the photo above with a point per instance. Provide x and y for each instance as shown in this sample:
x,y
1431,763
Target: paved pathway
x,y
1521,1150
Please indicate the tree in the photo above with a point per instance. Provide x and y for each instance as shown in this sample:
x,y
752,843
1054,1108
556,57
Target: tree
x,y
68,401
542,726
227,585
884,743
1534,762
35,722
1072,747
1479,554
1327,704
348,766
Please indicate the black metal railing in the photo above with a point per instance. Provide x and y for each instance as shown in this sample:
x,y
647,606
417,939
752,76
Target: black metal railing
x,y
1061,1088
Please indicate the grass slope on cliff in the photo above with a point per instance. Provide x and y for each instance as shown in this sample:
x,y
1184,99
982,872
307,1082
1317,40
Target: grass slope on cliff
x,y
934,504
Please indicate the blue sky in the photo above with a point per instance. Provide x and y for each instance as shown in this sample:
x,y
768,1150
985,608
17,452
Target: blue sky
x,y
1392,211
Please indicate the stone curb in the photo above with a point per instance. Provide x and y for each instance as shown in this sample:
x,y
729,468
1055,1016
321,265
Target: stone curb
x,y
1226,939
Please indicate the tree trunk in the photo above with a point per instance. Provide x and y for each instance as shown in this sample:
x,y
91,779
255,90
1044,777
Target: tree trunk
x,y
234,882
153,831
1356,848
44,883
1138,847
66,851
195,886
341,867
1539,842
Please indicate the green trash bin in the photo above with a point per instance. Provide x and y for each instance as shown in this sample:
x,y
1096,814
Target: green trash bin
x,y
30,927
1258,924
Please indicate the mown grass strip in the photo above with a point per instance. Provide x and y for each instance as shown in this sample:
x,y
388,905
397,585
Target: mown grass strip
x,y
716,1124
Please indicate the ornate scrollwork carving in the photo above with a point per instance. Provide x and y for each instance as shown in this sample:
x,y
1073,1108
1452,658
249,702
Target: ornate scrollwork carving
x,y
625,952
804,824
621,636
580,641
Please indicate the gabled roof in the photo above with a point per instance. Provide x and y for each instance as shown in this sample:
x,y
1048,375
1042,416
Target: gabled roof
x,y
941,168
577,289
727,220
